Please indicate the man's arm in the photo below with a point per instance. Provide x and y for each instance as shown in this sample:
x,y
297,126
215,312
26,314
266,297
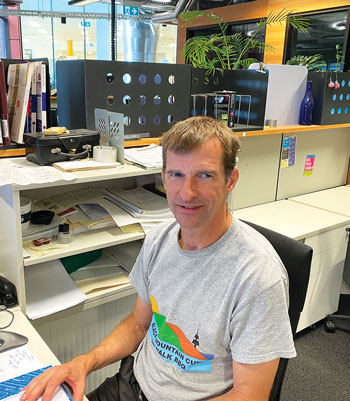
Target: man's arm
x,y
251,382
123,341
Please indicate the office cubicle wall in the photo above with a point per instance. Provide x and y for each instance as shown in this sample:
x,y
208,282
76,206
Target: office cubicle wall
x,y
152,96
331,151
258,166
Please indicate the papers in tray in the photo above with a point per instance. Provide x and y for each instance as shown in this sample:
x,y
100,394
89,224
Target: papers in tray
x,y
147,156
103,273
49,289
140,202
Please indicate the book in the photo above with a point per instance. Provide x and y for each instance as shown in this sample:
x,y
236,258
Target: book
x,y
19,77
3,107
33,95
41,118
139,200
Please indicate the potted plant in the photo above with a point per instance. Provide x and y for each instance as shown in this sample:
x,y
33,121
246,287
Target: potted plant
x,y
227,52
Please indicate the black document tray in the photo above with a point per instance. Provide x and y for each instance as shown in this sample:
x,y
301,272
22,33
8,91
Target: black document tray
x,y
74,143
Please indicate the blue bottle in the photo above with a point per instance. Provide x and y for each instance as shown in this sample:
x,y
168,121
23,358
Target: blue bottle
x,y
306,106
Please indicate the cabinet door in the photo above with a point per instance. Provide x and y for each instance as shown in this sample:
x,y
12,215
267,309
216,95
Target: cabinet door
x,y
322,296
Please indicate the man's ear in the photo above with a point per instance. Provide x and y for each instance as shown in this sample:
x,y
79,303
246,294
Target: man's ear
x,y
232,180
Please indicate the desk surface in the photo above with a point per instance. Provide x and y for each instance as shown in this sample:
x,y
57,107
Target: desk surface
x,y
292,219
335,200
35,343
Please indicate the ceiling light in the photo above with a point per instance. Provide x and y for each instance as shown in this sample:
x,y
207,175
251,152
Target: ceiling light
x,y
80,3
340,25
35,24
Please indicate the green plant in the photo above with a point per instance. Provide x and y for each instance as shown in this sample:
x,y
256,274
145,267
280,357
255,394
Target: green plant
x,y
227,52
314,62
339,57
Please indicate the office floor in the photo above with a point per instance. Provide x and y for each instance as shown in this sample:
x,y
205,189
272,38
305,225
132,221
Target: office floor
x,y
321,370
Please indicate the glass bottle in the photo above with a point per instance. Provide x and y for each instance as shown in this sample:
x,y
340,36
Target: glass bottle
x,y
306,106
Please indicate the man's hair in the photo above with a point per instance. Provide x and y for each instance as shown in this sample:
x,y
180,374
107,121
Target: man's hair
x,y
185,136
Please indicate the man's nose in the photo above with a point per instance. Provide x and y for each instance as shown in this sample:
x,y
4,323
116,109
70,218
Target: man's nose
x,y
189,189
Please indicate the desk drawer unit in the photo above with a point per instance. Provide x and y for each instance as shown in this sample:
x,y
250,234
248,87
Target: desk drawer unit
x,y
326,274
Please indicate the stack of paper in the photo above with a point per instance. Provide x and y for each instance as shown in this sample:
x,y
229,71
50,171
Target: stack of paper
x,y
49,289
103,273
90,216
140,202
147,156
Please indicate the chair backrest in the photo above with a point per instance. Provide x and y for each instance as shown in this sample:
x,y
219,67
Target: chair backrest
x,y
296,258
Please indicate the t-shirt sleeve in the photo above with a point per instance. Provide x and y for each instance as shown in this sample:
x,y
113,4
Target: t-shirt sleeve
x,y
139,277
261,328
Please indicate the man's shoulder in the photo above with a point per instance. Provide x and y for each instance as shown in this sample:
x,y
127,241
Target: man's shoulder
x,y
162,229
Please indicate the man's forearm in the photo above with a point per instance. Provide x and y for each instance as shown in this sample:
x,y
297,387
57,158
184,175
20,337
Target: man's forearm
x,y
234,395
122,341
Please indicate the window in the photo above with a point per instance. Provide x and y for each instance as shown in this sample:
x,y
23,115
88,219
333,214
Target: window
x,y
326,31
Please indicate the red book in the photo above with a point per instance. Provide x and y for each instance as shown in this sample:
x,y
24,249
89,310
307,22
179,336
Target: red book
x,y
3,107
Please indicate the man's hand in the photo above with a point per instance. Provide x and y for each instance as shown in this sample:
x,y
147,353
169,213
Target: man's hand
x,y
123,341
73,373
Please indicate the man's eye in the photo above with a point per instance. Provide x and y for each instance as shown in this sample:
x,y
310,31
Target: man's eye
x,y
205,175
175,175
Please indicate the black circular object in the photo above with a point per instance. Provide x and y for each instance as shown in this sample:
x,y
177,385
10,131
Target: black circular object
x,y
42,217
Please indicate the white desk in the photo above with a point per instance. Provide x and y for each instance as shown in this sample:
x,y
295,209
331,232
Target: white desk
x,y
326,233
335,200
36,344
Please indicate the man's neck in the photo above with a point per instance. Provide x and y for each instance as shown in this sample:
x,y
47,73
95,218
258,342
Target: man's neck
x,y
190,240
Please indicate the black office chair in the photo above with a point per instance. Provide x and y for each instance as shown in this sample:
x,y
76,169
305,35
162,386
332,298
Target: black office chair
x,y
343,311
296,258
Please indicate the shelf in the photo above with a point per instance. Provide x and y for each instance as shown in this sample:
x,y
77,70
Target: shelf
x,y
86,242
128,170
95,299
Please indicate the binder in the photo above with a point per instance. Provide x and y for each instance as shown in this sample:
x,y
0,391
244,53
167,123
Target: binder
x,y
3,107
41,121
19,77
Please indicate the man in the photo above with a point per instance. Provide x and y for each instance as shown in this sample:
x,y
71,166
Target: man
x,y
211,319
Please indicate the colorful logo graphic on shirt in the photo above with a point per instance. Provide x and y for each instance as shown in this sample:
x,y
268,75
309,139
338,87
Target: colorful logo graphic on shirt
x,y
172,345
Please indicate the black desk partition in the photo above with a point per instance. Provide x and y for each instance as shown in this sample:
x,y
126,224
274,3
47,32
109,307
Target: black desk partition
x,y
152,96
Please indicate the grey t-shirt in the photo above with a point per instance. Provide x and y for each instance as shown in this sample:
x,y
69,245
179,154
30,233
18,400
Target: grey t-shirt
x,y
221,303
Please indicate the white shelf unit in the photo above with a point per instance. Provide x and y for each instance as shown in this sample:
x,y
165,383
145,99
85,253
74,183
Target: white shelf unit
x,y
12,265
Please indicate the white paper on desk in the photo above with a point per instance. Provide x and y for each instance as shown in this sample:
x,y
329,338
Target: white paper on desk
x,y
59,395
22,172
49,289
16,362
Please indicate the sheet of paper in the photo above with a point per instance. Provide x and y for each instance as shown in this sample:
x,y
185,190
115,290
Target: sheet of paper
x,y
22,172
49,289
84,164
17,361
59,395
121,217
100,283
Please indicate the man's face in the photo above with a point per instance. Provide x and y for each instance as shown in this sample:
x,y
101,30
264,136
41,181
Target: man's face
x,y
196,187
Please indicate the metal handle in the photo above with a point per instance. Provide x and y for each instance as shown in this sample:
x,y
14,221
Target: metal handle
x,y
58,151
